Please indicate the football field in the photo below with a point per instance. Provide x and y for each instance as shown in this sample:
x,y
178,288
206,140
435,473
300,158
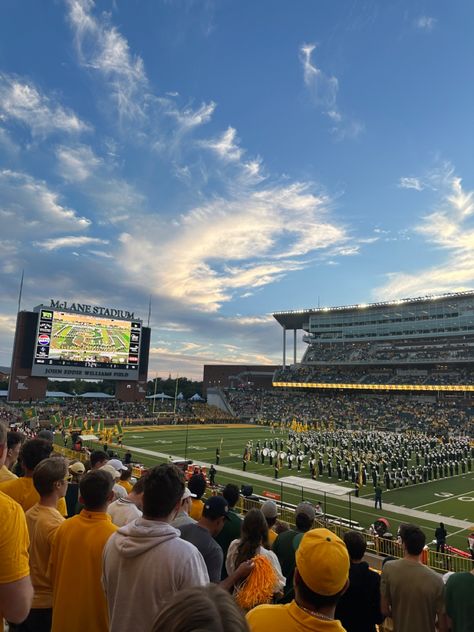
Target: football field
x,y
450,498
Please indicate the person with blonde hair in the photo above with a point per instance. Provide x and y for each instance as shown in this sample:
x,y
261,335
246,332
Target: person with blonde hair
x,y
50,478
208,608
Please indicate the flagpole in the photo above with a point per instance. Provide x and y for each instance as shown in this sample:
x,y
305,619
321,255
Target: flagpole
x,y
175,394
154,394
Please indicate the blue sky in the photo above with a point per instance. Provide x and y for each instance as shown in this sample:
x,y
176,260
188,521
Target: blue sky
x,y
233,158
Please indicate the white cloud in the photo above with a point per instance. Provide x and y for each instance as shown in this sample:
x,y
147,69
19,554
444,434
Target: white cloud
x,y
225,146
425,23
102,48
188,118
21,101
449,227
28,205
69,242
411,183
229,245
323,90
76,164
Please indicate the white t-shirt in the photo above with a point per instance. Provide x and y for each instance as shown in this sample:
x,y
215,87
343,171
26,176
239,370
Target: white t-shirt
x,y
123,511
270,555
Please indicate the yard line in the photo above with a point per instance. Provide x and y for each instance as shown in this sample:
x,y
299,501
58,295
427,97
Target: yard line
x,y
442,500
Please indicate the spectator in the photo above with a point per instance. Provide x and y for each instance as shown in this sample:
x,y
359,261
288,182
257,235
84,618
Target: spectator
x,y
254,541
202,532
412,594
76,470
440,535
22,489
232,526
197,487
124,510
16,591
270,511
460,602
14,442
287,542
98,458
359,607
206,608
119,491
183,518
125,477
470,543
76,560
50,479
321,577
146,561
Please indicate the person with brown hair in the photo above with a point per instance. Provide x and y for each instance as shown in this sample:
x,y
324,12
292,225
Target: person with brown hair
x,y
207,608
253,542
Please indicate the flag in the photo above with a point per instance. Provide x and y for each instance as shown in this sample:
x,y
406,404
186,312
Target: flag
x,y
360,475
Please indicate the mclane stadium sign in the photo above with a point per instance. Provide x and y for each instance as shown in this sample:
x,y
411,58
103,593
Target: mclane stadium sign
x,y
94,310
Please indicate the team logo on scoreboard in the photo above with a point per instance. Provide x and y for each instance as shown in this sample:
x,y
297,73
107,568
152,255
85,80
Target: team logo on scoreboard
x,y
43,339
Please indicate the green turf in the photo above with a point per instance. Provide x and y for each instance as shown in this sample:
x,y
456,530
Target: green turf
x,y
203,441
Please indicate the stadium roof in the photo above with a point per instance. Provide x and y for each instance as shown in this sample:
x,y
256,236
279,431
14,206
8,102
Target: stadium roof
x,y
159,396
92,395
58,394
295,319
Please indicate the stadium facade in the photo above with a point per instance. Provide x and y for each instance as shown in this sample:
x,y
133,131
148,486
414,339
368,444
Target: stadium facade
x,y
418,344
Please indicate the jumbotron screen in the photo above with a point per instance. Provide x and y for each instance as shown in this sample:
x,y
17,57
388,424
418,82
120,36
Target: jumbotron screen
x,y
79,345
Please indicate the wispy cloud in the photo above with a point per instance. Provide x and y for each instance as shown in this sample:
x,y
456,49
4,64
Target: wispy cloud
x,y
21,101
226,146
103,48
77,163
69,242
29,206
256,238
425,23
323,90
411,183
449,227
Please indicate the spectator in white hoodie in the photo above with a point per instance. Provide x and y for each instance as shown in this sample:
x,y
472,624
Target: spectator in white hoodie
x,y
146,561
124,510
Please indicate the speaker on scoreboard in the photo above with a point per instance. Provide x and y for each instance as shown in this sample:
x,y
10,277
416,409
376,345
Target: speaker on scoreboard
x,y
246,490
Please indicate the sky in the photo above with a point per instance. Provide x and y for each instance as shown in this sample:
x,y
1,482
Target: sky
x,y
230,159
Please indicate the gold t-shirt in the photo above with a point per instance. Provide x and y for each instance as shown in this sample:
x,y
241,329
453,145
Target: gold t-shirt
x,y
43,522
14,542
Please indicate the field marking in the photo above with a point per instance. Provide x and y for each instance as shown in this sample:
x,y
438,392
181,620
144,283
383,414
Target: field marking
x,y
442,500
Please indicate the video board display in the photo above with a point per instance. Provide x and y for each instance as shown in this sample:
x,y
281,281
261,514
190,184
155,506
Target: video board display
x,y
79,345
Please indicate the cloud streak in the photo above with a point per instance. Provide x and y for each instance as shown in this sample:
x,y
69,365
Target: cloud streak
x,y
449,228
323,91
21,101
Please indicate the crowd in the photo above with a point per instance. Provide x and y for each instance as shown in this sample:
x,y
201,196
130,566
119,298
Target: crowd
x,y
374,375
353,410
158,557
398,351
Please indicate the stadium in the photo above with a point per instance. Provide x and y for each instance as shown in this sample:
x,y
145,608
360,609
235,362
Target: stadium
x,y
372,427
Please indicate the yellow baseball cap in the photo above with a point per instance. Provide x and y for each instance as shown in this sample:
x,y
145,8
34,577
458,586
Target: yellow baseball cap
x,y
322,561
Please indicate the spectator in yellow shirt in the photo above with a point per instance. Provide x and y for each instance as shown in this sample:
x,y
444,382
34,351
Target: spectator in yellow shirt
x,y
197,486
16,591
50,479
124,481
76,560
22,489
14,441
